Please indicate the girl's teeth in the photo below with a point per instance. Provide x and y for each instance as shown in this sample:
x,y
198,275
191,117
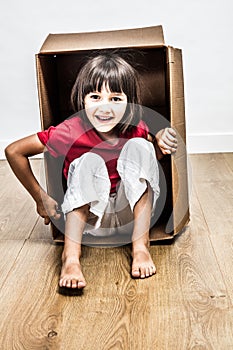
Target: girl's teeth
x,y
103,118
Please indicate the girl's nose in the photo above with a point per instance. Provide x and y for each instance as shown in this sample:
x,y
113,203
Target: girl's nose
x,y
105,108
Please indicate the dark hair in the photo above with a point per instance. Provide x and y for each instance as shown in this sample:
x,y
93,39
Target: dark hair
x,y
119,75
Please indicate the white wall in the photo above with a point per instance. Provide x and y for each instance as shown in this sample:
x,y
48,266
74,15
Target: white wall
x,y
201,28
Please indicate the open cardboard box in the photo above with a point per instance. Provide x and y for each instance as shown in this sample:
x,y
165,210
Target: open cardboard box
x,y
161,72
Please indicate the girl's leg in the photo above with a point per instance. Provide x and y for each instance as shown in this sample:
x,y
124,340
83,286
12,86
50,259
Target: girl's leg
x,y
142,265
138,169
88,190
71,273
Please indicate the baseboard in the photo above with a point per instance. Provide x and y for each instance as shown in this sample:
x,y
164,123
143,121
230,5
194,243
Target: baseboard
x,y
196,143
210,143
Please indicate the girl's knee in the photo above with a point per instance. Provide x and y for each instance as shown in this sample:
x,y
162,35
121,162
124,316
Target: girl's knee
x,y
86,169
138,151
139,145
87,161
86,165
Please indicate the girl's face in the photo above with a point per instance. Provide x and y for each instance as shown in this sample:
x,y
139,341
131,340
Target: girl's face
x,y
105,109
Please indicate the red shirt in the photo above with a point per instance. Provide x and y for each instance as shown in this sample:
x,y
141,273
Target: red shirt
x,y
74,137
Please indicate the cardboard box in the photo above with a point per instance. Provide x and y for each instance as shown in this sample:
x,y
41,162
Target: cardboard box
x,y
161,72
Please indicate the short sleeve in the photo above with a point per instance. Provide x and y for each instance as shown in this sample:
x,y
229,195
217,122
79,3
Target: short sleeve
x,y
57,140
142,130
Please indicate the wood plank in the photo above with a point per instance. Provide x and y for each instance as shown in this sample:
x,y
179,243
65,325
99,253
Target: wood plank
x,y
191,297
214,179
216,199
217,202
229,159
211,167
17,210
9,250
30,289
41,231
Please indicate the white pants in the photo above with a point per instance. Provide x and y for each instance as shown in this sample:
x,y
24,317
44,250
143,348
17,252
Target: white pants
x,y
88,183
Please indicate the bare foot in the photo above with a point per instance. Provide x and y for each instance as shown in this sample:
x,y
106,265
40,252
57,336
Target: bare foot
x,y
71,274
142,265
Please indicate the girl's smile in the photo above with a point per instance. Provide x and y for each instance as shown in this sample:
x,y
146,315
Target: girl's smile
x,y
105,109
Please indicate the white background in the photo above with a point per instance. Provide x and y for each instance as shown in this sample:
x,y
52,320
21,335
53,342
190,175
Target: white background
x,y
201,28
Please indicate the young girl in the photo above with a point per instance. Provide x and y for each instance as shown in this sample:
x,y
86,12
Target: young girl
x,y
110,165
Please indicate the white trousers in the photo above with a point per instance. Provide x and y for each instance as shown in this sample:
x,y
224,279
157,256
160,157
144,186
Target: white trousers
x,y
88,183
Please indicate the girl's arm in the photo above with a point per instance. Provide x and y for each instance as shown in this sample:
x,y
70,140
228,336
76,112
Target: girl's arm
x,y
159,154
17,155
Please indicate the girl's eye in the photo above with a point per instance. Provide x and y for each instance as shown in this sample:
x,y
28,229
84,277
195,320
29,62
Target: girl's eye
x,y
116,99
94,97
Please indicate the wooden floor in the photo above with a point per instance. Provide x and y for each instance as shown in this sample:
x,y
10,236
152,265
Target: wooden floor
x,y
187,305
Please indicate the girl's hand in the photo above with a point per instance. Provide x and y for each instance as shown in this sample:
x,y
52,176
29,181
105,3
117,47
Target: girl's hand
x,y
47,208
166,140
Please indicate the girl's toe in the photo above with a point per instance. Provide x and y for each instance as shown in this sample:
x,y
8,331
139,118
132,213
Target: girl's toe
x,y
153,270
81,284
64,282
68,284
74,283
136,272
143,273
60,283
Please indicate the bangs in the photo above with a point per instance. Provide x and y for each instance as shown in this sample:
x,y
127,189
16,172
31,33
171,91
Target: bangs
x,y
109,77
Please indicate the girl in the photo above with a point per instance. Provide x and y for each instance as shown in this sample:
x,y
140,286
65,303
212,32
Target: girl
x,y
109,162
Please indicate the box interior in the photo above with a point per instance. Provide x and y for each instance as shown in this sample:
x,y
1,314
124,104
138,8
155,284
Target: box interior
x,y
57,73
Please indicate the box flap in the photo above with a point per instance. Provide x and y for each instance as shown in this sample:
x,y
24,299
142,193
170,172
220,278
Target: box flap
x,y
139,37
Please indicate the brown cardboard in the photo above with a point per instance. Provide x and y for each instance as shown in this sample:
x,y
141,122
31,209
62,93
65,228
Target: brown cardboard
x,y
161,72
141,37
